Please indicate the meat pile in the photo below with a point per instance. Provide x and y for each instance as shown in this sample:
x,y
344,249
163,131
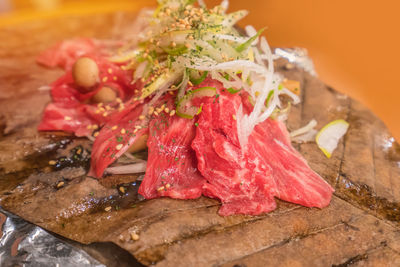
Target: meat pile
x,y
187,158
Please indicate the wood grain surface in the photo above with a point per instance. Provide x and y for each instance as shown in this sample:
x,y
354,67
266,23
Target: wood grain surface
x,y
360,227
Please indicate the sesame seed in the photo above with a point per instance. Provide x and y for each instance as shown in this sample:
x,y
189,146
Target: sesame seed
x,y
166,110
104,79
89,127
234,117
119,146
114,127
60,184
135,236
96,134
115,78
67,118
155,113
99,105
190,83
119,100
95,127
172,113
123,131
135,131
138,127
52,162
167,186
141,117
122,189
109,70
151,110
158,110
108,208
105,114
161,188
173,44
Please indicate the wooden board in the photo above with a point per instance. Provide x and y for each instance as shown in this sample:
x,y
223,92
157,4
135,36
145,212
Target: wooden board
x,y
360,227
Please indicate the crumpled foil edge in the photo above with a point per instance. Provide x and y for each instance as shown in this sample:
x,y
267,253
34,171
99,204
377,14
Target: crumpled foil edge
x,y
25,244
298,56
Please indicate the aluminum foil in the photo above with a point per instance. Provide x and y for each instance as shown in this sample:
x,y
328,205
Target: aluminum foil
x,y
24,244
298,56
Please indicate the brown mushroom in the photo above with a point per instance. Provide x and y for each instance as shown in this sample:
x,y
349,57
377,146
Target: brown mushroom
x,y
105,95
85,73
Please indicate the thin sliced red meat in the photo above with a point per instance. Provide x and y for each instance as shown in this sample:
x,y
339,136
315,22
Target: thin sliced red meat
x,y
295,181
111,143
72,120
171,165
242,186
65,53
246,181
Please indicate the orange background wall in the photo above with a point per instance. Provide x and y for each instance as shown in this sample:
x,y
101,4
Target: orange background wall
x,y
354,43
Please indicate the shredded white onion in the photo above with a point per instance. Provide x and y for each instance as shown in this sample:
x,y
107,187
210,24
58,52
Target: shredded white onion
x,y
128,169
296,98
304,129
140,70
219,49
251,31
44,88
224,5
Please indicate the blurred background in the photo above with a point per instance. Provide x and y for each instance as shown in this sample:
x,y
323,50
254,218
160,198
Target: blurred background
x,y
354,44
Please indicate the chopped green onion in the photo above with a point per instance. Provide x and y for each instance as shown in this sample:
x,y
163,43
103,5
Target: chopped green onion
x,y
184,108
233,90
195,76
248,43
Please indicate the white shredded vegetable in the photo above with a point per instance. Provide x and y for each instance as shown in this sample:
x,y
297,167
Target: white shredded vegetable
x,y
44,88
180,35
311,125
128,169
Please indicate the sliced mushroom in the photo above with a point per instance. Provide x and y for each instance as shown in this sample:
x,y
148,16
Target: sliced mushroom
x,y
85,73
105,95
140,144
